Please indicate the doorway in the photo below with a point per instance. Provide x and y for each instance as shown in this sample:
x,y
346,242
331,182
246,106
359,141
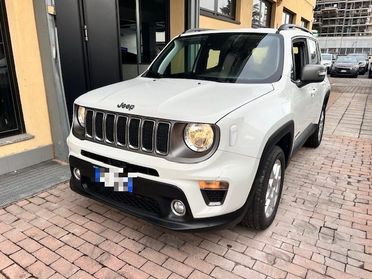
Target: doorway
x,y
104,42
88,38
11,118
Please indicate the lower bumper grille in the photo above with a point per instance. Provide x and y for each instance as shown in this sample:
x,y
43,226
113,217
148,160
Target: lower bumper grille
x,y
214,197
133,200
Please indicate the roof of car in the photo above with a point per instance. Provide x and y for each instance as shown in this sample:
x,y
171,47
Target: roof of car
x,y
290,32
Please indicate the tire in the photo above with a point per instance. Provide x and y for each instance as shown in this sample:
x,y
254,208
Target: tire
x,y
260,215
316,138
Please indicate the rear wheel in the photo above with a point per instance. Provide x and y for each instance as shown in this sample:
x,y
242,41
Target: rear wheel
x,y
316,138
266,190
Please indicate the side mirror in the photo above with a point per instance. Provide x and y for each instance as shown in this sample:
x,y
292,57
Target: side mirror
x,y
313,73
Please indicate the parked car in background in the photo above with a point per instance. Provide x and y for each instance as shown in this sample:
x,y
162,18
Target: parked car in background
x,y
363,61
327,61
370,71
345,66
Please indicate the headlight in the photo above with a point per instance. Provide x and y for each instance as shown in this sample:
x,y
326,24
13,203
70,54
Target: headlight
x,y
199,137
81,116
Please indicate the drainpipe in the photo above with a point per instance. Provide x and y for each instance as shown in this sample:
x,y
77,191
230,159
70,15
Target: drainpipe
x,y
49,53
192,14
138,35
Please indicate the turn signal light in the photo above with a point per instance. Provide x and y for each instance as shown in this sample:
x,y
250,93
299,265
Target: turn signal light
x,y
213,185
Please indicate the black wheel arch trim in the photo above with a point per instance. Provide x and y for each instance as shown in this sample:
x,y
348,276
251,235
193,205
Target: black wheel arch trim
x,y
277,136
326,98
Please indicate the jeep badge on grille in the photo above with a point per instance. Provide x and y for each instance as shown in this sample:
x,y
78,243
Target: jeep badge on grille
x,y
126,106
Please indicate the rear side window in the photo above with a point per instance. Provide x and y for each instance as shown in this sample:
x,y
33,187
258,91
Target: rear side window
x,y
313,52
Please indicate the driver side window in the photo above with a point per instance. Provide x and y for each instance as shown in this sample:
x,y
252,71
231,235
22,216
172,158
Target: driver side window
x,y
299,58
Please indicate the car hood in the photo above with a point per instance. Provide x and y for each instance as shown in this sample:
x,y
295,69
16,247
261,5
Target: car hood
x,y
174,99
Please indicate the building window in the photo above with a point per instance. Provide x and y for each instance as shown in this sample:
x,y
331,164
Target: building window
x,y
287,17
11,121
304,23
154,34
225,8
261,14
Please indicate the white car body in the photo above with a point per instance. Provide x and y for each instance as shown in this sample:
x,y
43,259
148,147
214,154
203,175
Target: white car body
x,y
247,116
327,60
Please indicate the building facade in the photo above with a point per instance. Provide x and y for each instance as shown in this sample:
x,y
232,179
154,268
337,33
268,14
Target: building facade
x,y
25,132
52,51
216,14
344,26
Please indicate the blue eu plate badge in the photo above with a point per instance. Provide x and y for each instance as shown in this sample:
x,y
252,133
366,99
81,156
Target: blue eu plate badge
x,y
114,177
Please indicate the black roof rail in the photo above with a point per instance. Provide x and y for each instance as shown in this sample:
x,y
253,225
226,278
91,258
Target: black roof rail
x,y
196,30
292,26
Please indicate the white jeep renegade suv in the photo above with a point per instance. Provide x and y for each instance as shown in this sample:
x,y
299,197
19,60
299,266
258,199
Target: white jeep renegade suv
x,y
203,137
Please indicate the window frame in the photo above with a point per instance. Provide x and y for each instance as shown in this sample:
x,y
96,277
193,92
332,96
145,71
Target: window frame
x,y
305,23
12,78
291,16
216,14
260,10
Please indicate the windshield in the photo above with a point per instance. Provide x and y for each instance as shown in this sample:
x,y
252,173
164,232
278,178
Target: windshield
x,y
360,57
326,56
222,57
347,59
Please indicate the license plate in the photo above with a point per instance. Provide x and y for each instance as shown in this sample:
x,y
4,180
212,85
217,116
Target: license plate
x,y
115,178
343,71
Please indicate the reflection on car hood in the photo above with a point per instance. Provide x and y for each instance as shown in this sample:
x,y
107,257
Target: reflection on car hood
x,y
175,99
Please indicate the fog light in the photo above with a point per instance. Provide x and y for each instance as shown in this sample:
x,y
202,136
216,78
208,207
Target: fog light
x,y
76,173
178,207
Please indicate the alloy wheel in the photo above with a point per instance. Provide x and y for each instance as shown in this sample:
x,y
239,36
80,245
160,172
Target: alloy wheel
x,y
273,188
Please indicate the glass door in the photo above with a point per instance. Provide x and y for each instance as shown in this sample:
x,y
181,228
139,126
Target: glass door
x,y
11,122
144,31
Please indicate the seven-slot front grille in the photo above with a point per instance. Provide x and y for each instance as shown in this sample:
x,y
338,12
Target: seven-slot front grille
x,y
128,132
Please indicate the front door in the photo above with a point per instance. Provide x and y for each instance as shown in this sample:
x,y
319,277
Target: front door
x,y
302,95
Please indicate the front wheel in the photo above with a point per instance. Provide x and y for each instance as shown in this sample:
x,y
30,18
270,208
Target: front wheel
x,y
266,190
316,138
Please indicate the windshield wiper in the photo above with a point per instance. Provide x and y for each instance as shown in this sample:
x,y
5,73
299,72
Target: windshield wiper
x,y
152,74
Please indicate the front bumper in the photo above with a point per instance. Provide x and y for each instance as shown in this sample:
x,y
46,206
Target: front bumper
x,y
149,199
344,72
236,169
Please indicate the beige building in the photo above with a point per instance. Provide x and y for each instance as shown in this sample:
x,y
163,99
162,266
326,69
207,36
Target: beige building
x,y
256,13
41,73
25,132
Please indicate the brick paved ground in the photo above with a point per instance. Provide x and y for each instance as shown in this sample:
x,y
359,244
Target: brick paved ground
x,y
323,227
